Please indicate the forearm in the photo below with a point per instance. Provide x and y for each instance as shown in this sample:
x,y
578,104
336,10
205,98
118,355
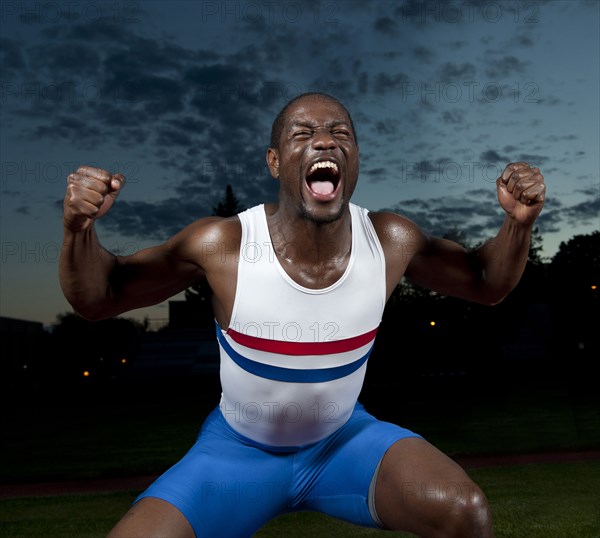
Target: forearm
x,y
84,272
503,259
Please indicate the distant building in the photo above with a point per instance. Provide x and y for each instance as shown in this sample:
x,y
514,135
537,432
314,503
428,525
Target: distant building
x,y
190,314
186,347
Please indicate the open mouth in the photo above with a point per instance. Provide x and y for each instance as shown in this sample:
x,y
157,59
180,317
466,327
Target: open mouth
x,y
323,178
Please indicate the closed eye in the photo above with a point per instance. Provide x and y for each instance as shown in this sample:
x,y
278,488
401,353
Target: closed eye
x,y
341,132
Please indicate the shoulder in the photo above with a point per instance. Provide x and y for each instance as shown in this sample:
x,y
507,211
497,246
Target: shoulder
x,y
206,237
222,228
401,240
209,234
395,230
212,228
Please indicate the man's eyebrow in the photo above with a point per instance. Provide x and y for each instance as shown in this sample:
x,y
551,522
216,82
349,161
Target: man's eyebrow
x,y
302,124
311,124
335,123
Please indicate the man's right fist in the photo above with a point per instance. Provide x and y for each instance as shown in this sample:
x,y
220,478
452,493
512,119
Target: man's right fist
x,y
91,192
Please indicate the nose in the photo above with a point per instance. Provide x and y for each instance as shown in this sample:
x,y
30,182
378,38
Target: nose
x,y
323,139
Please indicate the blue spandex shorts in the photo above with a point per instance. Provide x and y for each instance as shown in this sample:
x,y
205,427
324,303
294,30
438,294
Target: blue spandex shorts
x,y
227,486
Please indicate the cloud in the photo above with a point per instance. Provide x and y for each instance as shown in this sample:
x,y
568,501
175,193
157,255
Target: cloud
x,y
389,83
504,67
167,136
11,57
550,220
453,117
586,212
524,40
457,45
555,138
162,219
476,213
362,83
385,25
534,160
59,60
453,72
388,127
71,128
152,94
201,116
377,174
423,54
103,29
492,156
204,116
593,191
549,100
154,221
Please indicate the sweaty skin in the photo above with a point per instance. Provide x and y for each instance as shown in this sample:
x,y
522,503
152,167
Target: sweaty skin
x,y
311,233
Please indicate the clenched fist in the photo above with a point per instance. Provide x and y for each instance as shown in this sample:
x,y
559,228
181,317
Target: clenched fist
x,y
521,191
91,192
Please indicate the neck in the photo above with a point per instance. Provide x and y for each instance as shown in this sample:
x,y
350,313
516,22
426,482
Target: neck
x,y
300,239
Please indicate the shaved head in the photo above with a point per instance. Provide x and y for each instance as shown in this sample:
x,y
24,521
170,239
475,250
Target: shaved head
x,y
279,122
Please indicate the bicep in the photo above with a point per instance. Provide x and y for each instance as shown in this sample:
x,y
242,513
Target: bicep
x,y
152,275
437,264
447,268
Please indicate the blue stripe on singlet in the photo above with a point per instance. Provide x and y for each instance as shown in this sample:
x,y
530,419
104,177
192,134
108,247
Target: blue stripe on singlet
x,y
290,375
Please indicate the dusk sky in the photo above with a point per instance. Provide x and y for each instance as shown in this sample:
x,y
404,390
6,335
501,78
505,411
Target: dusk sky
x,y
180,96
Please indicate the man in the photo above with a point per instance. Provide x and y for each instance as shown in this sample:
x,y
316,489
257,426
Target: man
x,y
299,287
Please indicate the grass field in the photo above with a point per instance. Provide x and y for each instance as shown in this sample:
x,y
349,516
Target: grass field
x,y
76,437
528,501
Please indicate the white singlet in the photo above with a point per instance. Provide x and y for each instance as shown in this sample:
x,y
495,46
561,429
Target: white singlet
x,y
293,359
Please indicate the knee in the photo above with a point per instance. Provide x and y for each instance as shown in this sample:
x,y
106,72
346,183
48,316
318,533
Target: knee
x,y
469,516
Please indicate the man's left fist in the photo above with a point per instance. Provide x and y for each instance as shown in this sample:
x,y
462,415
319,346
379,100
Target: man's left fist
x,y
521,191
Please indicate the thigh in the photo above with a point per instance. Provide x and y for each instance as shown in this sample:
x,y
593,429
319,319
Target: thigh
x,y
341,469
421,490
151,517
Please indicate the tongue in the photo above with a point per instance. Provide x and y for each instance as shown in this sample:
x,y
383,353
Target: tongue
x,y
322,187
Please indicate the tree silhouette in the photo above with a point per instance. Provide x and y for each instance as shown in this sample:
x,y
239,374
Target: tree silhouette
x,y
574,297
574,268
536,247
229,204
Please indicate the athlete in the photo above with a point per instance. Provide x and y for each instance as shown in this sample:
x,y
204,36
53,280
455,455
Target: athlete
x,y
299,287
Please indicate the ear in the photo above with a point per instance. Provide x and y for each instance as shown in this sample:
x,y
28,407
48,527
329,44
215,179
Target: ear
x,y
273,162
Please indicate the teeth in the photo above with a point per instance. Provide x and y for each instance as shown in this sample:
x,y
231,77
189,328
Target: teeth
x,y
323,164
